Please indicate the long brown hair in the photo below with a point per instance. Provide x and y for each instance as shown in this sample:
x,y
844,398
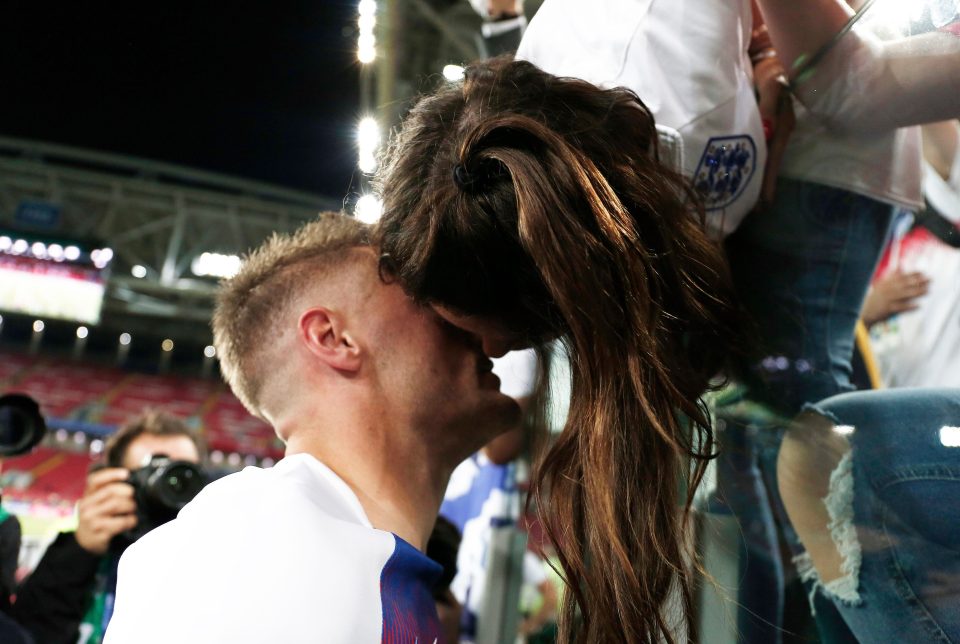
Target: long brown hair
x,y
541,201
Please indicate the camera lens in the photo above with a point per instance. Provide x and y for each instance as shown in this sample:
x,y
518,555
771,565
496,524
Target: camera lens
x,y
178,481
21,425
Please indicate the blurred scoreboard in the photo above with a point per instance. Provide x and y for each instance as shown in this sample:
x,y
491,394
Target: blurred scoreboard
x,y
52,278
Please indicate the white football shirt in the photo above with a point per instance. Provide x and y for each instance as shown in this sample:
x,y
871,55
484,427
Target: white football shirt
x,y
284,554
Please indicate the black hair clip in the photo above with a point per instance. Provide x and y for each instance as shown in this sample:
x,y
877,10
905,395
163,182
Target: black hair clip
x,y
465,180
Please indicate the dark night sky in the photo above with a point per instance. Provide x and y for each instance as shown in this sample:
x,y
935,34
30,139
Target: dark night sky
x,y
266,90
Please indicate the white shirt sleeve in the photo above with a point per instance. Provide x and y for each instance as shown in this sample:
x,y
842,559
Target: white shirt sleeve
x,y
866,85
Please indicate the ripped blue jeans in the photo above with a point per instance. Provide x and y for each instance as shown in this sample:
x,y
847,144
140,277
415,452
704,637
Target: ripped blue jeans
x,y
894,507
801,270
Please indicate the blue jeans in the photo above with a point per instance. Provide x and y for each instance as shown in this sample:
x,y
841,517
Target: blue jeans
x,y
899,486
801,270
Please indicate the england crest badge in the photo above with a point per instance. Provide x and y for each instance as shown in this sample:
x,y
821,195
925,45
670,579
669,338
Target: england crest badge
x,y
726,167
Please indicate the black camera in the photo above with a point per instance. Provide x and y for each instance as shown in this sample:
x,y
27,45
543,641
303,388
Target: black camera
x,y
21,425
161,489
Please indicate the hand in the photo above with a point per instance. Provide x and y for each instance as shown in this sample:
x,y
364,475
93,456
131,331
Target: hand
x,y
106,509
893,293
776,113
504,8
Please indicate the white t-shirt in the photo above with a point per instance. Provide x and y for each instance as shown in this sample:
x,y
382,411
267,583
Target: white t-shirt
x,y
839,139
687,61
284,554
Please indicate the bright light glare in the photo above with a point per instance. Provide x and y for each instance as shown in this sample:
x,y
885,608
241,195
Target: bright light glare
x,y
72,253
950,436
20,247
894,16
366,41
55,251
167,345
453,73
367,163
844,430
5,242
368,209
209,351
39,249
125,339
366,55
138,271
366,23
82,332
106,255
38,326
367,7
215,265
368,138
368,133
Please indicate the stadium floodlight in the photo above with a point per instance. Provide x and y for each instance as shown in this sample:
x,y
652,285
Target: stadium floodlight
x,y
366,23
209,351
453,73
19,247
167,345
368,209
138,271
39,250
366,56
56,252
368,133
82,332
215,265
106,255
5,243
72,253
366,41
38,326
125,339
368,138
367,7
950,436
367,163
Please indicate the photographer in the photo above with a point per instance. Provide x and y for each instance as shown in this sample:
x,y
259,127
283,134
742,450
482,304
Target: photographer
x,y
70,594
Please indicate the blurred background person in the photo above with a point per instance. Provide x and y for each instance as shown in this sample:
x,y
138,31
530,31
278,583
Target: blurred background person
x,y
913,305
69,596
442,547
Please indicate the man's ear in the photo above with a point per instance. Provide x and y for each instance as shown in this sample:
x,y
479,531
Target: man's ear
x,y
325,334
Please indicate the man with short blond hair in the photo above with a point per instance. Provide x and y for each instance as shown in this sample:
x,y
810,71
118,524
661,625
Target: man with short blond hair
x,y
377,399
249,309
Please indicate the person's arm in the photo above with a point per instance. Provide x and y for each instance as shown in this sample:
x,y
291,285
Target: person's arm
x,y
864,85
799,28
51,601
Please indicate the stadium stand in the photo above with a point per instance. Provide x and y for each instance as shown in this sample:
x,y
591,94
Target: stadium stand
x,y
90,401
